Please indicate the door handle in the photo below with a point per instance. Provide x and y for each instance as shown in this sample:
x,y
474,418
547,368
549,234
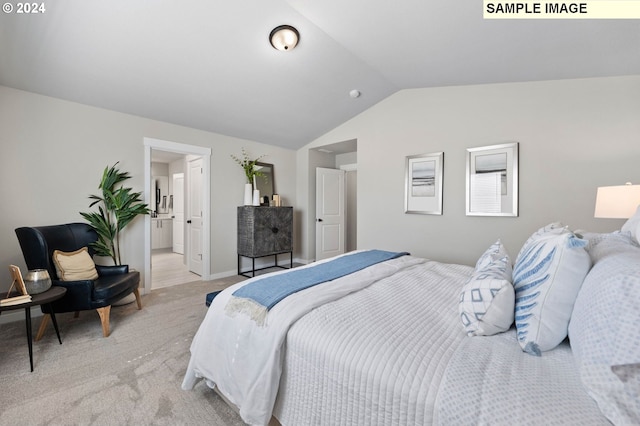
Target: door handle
x,y
188,221
319,220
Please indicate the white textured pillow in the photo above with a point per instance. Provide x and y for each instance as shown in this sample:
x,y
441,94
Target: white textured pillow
x,y
74,266
604,332
547,276
487,299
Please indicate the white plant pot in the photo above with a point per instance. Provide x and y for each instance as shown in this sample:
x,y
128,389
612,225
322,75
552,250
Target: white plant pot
x,y
248,194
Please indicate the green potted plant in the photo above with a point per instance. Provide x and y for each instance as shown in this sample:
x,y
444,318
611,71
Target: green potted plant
x,y
117,207
249,167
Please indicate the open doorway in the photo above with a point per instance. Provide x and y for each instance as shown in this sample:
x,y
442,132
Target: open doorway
x,y
342,156
167,164
169,265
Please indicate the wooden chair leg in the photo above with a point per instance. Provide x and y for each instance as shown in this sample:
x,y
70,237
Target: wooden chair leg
x,y
136,292
104,319
43,326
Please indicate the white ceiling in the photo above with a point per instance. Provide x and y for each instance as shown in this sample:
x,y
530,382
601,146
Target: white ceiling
x,y
207,64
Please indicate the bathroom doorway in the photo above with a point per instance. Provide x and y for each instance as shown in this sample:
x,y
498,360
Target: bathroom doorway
x,y
166,248
168,263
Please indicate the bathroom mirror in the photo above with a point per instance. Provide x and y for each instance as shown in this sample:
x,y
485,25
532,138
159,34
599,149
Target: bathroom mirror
x,y
265,183
160,194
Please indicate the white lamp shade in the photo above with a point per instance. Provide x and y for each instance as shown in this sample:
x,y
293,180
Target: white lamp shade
x,y
617,202
284,37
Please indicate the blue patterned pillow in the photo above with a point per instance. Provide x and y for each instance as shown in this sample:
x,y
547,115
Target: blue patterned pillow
x,y
495,251
547,276
487,299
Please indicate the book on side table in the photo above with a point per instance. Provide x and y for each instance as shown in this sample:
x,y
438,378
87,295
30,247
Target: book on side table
x,y
21,296
15,300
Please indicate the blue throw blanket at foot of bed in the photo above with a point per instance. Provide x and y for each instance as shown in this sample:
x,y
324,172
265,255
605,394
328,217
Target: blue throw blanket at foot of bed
x,y
256,298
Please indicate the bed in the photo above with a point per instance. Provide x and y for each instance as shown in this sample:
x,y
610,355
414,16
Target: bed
x,y
392,344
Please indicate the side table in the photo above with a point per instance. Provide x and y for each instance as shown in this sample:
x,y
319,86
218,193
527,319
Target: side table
x,y
44,298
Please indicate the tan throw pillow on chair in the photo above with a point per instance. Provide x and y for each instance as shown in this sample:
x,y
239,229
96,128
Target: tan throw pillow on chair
x,y
74,266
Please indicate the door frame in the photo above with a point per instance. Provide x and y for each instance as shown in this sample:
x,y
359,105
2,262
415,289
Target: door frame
x,y
205,153
351,222
175,177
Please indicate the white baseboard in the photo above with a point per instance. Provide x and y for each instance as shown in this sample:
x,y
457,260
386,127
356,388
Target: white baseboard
x,y
260,263
219,275
18,315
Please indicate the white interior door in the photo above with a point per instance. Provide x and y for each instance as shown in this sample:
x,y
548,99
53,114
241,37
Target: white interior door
x,y
178,213
194,213
330,213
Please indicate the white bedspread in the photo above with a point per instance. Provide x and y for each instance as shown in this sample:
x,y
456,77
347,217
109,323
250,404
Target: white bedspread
x,y
375,357
490,381
244,360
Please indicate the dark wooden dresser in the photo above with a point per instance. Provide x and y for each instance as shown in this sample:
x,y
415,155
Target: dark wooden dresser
x,y
264,231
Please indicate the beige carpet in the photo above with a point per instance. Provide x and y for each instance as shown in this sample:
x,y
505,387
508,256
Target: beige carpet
x,y
132,377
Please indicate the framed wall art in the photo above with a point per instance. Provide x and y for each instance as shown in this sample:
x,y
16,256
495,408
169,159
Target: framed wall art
x,y
423,183
18,282
492,180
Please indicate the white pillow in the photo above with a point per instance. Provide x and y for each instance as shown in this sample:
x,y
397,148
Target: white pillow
x,y
487,299
604,332
547,276
633,225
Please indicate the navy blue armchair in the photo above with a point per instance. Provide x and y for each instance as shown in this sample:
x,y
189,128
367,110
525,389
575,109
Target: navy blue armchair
x,y
113,282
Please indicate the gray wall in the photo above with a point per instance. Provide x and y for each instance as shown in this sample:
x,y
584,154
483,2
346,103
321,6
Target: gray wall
x,y
574,135
53,152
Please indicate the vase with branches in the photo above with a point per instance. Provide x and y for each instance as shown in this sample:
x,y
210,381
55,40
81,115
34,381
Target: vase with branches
x,y
117,207
248,165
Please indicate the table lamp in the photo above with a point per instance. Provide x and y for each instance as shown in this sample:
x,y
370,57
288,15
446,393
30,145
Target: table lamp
x,y
617,202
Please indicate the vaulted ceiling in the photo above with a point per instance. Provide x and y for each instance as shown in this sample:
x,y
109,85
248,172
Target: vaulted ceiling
x,y
208,64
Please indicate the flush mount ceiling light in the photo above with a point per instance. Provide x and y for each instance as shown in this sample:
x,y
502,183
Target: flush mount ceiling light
x,y
284,37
